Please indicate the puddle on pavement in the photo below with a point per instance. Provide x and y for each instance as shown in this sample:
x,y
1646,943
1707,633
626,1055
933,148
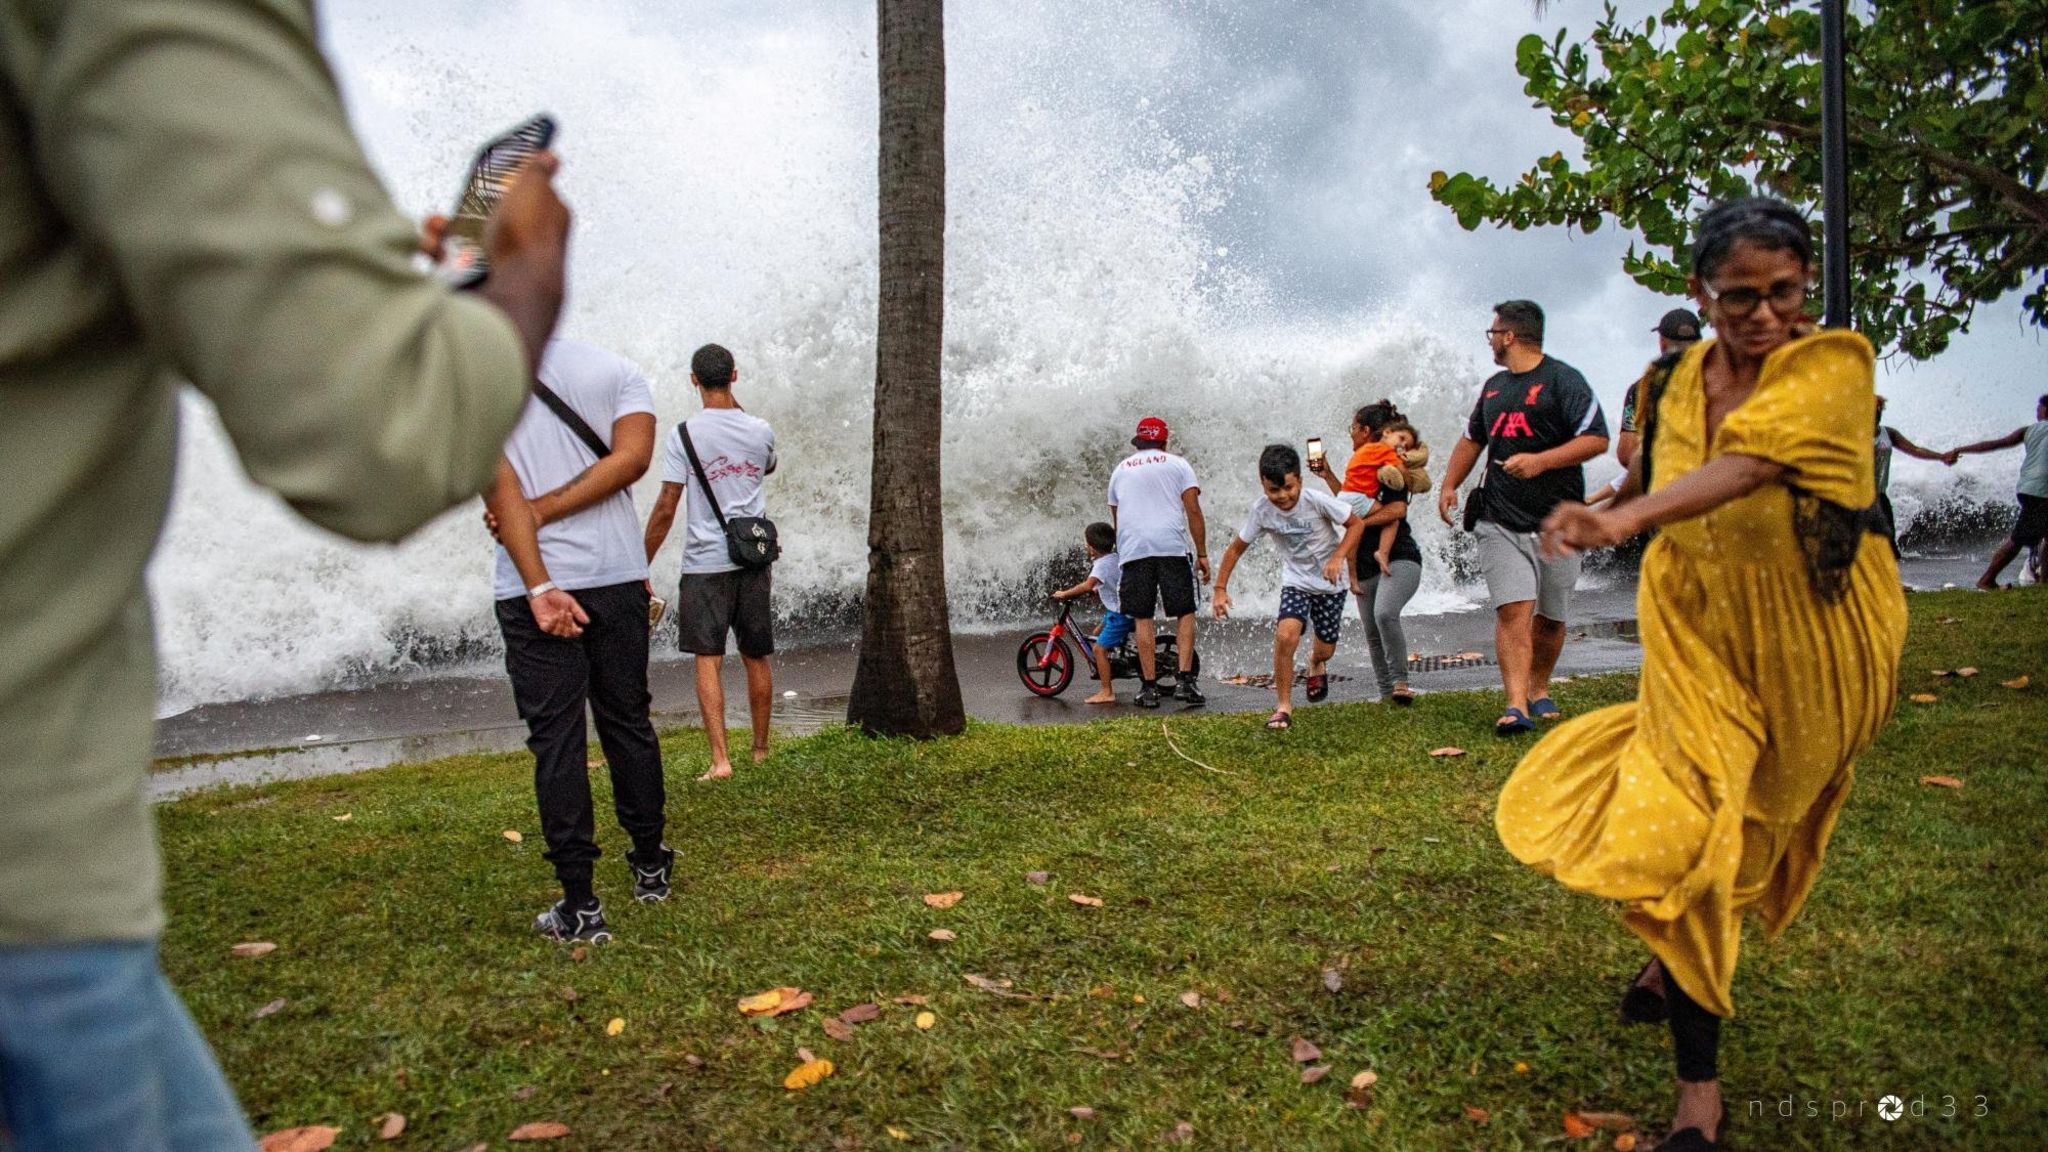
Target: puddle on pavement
x,y
189,774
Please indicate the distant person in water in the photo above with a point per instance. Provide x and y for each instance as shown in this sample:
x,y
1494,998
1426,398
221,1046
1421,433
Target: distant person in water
x,y
1889,440
2032,527
1155,504
716,597
572,603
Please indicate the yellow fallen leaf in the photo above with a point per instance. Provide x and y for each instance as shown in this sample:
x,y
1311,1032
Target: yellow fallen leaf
x,y
1365,1079
775,1002
1626,1142
925,1020
2016,683
310,1138
1084,900
513,835
1498,936
1137,997
1521,1069
896,1133
942,899
539,1130
253,949
1941,781
1923,697
391,1126
344,817
1443,753
617,1026
806,1074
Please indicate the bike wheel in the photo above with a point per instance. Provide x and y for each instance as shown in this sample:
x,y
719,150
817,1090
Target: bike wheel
x,y
1045,664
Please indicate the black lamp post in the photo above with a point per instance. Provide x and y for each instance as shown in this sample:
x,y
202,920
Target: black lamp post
x,y
1834,163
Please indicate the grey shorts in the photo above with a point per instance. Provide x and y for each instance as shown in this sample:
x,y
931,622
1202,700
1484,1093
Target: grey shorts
x,y
1515,573
711,604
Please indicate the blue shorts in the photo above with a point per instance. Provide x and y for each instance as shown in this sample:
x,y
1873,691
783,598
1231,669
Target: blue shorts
x,y
1116,628
1322,611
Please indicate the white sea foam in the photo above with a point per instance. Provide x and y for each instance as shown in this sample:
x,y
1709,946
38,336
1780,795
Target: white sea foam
x,y
722,172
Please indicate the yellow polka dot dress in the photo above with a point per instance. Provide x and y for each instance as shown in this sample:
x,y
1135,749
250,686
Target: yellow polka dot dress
x,y
1716,790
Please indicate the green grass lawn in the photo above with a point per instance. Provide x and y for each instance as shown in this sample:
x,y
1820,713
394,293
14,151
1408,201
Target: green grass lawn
x,y
1463,980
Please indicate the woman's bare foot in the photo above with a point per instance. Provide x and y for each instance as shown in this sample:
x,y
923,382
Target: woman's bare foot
x,y
717,772
1699,1106
1103,697
761,754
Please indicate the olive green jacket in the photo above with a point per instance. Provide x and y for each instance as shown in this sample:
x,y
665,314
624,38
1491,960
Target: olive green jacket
x,y
181,199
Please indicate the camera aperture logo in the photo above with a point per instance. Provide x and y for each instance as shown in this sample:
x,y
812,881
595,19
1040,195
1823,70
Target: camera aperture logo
x,y
1891,1108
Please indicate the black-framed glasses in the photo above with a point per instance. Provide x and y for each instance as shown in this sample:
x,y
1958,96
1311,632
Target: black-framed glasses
x,y
1787,298
1492,332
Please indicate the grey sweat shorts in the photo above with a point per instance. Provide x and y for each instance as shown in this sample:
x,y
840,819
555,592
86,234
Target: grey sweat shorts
x,y
1515,572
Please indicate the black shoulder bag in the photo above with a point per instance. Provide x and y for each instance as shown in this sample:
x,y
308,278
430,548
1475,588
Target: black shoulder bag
x,y
567,415
750,540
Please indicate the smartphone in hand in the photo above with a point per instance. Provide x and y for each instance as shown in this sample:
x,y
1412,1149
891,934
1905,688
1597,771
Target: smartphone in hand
x,y
1315,452
463,263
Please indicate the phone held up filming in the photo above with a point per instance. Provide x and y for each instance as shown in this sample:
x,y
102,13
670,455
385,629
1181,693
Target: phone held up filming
x,y
1315,452
463,262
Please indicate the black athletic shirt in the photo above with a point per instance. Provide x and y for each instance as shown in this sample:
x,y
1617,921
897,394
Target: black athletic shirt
x,y
1533,411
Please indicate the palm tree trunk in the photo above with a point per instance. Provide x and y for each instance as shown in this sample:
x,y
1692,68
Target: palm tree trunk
x,y
905,684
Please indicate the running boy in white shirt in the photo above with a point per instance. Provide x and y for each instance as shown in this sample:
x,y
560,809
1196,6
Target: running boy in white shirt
x,y
1315,532
1105,575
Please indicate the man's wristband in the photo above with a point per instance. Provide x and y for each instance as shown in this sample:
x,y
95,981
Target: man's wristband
x,y
540,589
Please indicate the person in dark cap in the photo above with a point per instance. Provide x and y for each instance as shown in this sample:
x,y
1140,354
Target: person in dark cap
x,y
1677,331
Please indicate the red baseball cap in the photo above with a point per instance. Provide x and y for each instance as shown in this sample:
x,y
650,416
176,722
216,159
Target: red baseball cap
x,y
1151,429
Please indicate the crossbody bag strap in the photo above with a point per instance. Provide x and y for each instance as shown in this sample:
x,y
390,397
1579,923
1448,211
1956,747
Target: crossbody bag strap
x,y
582,429
710,497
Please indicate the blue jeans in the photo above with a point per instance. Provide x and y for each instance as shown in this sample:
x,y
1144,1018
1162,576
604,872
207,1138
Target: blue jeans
x,y
97,1054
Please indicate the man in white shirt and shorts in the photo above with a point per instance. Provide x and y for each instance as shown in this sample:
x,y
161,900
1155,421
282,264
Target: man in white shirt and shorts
x,y
1156,505
572,601
716,596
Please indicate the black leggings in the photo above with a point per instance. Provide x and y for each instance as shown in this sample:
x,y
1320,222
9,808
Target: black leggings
x,y
1695,1032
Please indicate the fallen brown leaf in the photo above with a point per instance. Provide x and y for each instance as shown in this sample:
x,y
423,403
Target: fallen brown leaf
x,y
1358,1097
270,1009
1304,1052
391,1126
579,954
942,935
1102,992
1941,781
1576,1127
942,899
1626,1142
1039,878
862,1013
1966,673
524,1092
1191,999
1477,1115
514,836
1182,1133
909,998
568,995
309,1138
806,1055
1941,673
538,1130
1445,752
1333,981
1085,900
1365,1079
1082,1113
838,1030
2016,683
775,1002
344,818
1610,1121
253,949
1073,1138
1923,697
1314,1072
1950,620
593,765
694,1060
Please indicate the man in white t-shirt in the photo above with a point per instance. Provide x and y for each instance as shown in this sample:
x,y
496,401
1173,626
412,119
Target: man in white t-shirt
x,y
716,596
1315,532
572,598
1156,506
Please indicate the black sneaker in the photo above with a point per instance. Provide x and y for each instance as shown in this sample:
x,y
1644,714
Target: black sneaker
x,y
650,885
1148,696
565,924
1184,690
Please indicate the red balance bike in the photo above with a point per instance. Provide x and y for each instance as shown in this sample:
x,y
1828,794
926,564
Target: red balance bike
x,y
1045,661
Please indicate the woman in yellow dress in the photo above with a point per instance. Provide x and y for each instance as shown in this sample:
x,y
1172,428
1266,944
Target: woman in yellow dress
x,y
1772,623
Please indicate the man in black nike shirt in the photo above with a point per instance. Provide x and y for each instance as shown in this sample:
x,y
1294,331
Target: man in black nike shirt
x,y
1538,423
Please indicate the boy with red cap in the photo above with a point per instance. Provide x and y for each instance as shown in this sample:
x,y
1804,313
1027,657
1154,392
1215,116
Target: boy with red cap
x,y
1156,505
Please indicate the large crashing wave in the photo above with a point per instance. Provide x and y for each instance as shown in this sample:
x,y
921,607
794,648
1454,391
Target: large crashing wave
x,y
722,173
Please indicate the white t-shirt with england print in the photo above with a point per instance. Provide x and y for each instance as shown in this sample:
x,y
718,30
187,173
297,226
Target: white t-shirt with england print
x,y
738,453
